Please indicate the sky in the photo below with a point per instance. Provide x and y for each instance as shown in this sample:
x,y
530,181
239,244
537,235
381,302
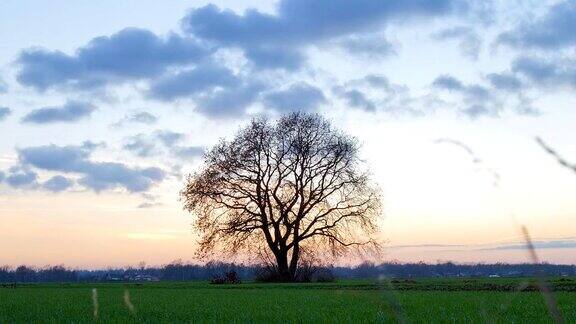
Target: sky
x,y
106,106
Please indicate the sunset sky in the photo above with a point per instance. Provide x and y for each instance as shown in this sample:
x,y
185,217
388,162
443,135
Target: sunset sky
x,y
105,107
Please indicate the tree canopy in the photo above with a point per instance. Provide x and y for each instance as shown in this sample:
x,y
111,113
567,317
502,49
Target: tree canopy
x,y
282,190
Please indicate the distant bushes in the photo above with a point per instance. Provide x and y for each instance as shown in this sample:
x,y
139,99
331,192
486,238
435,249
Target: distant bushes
x,y
179,271
230,277
28,274
450,269
305,273
325,275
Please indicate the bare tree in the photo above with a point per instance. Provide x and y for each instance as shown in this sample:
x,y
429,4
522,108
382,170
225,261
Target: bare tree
x,y
286,188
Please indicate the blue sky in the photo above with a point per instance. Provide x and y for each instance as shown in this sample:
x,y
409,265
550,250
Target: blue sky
x,y
105,107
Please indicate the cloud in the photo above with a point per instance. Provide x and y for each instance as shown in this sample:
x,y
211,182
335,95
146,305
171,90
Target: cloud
x,y
477,92
374,92
145,145
469,41
4,113
56,158
555,72
2,176
191,82
300,20
162,142
169,138
371,46
265,57
299,23
478,110
71,111
505,91
3,86
108,175
173,66
143,118
130,54
479,101
215,90
409,246
538,244
188,152
140,146
57,184
136,118
185,66
377,81
298,97
526,106
227,103
150,201
148,205
554,30
357,99
448,82
505,81
21,177
374,82
97,176
566,243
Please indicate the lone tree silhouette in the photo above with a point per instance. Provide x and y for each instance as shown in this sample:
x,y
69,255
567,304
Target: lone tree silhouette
x,y
285,189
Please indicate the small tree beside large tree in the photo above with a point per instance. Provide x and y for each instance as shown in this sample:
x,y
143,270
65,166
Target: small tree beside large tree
x,y
284,189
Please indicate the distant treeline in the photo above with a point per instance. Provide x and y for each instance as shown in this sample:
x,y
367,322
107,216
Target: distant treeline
x,y
178,271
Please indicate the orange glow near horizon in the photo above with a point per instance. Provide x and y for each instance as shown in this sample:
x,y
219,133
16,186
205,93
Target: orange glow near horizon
x,y
88,234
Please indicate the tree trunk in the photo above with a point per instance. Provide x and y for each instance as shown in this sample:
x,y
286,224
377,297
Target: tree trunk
x,y
294,261
284,273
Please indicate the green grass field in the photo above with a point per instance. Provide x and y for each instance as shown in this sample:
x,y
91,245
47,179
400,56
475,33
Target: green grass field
x,y
417,301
